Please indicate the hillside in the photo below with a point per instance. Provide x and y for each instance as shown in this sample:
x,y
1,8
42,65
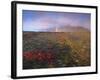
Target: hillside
x,y
56,49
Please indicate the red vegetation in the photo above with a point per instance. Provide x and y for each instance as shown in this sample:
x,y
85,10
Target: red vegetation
x,y
39,55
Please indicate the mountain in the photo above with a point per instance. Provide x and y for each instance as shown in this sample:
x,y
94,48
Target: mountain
x,y
67,29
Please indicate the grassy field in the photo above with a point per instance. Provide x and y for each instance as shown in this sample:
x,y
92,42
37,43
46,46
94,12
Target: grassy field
x,y
56,49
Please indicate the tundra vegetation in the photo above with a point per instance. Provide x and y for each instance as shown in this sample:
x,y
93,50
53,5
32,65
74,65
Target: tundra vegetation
x,y
56,49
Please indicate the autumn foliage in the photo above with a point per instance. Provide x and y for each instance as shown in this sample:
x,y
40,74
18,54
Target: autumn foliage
x,y
39,55
63,49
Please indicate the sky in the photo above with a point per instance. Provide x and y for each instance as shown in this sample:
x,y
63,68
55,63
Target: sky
x,y
42,20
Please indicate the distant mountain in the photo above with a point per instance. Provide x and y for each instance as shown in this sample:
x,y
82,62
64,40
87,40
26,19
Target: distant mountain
x,y
67,29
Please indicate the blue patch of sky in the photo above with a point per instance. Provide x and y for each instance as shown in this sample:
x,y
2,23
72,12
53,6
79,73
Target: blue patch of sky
x,y
42,20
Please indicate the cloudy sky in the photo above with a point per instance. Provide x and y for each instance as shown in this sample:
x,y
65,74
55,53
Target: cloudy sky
x,y
42,20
